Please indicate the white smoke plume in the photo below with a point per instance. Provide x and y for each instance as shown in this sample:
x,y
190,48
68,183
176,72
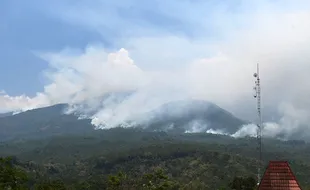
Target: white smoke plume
x,y
279,40
21,103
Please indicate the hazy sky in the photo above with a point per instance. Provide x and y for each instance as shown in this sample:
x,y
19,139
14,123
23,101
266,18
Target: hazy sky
x,y
73,51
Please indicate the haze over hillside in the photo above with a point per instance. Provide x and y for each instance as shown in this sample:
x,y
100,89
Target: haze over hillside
x,y
179,116
6,114
55,53
119,110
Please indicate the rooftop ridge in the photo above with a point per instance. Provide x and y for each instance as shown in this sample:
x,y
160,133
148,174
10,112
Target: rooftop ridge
x,y
279,176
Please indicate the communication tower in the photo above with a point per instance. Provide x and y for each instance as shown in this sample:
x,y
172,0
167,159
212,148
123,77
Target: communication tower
x,y
257,96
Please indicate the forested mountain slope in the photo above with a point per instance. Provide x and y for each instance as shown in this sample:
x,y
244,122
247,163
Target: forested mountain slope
x,y
190,161
179,116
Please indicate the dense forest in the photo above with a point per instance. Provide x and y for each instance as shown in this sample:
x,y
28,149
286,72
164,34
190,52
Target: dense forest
x,y
135,159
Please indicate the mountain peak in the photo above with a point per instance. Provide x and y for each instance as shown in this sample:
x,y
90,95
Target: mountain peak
x,y
177,116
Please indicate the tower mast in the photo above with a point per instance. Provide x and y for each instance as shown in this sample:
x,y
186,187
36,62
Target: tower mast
x,y
257,96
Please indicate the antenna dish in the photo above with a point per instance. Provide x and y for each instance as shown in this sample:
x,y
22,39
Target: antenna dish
x,y
255,75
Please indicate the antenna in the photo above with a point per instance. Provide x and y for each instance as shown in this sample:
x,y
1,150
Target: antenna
x,y
257,96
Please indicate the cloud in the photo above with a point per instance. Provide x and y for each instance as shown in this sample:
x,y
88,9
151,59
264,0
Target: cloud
x,y
21,103
213,59
91,74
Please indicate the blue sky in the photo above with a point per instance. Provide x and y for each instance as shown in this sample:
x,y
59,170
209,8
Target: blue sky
x,y
62,50
25,29
41,25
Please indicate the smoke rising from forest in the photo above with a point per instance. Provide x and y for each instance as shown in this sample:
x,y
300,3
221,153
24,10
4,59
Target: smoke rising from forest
x,y
278,40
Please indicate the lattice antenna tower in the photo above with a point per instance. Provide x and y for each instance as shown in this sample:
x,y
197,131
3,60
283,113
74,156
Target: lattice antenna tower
x,y
257,96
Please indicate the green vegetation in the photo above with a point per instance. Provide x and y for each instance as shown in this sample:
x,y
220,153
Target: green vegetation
x,y
10,176
50,121
135,159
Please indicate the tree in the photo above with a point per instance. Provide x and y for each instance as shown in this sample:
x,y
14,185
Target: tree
x,y
117,181
158,181
11,177
240,183
50,185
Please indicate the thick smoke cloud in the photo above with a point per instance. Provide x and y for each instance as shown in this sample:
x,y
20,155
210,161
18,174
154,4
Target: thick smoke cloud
x,y
278,40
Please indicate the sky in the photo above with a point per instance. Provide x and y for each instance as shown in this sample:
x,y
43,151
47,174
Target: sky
x,y
66,51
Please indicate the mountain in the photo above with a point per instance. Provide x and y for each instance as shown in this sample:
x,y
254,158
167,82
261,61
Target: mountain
x,y
6,114
192,116
42,122
177,116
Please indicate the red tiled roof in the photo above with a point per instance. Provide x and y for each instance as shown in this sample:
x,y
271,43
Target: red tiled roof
x,y
279,176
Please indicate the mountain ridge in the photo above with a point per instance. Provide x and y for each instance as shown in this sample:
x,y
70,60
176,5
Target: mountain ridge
x,y
182,115
190,113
